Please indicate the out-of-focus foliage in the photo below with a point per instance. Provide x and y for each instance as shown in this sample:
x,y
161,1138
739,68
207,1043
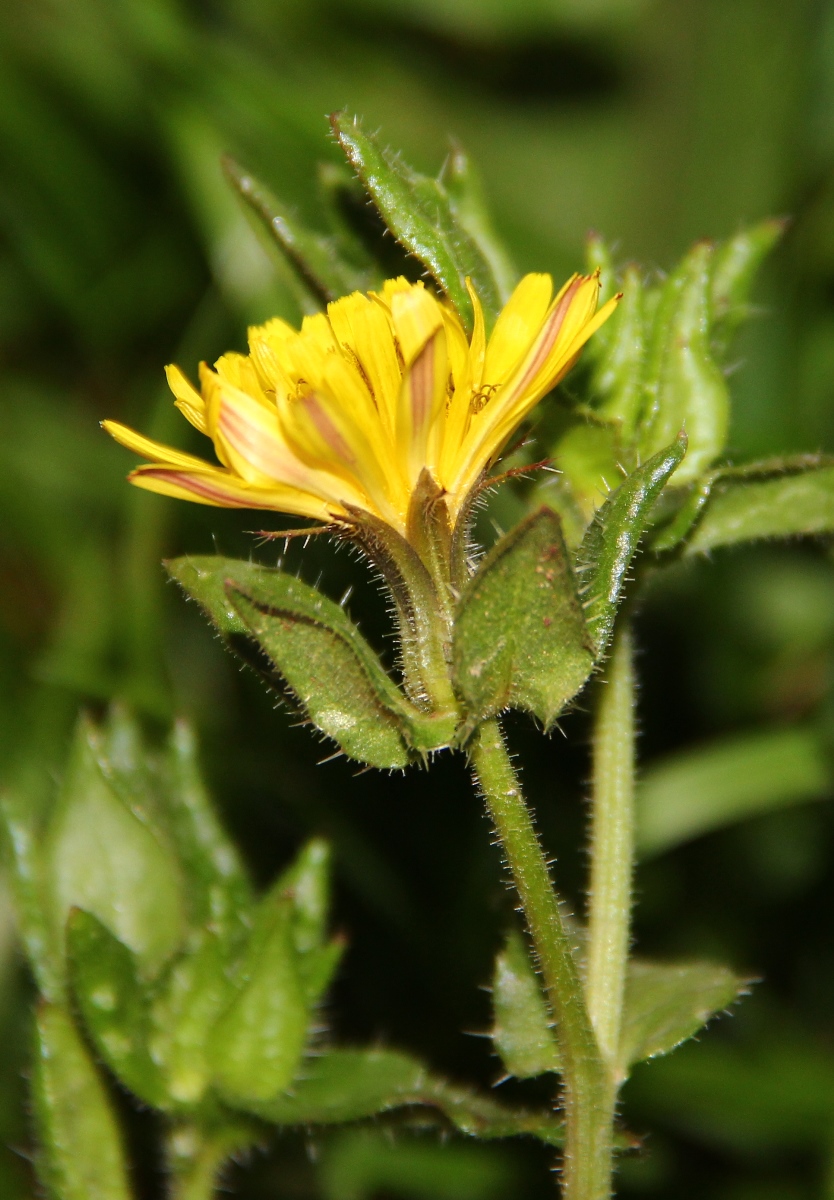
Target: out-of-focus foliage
x,y
657,122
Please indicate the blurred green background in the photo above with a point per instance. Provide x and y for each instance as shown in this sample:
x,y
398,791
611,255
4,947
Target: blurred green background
x,y
656,122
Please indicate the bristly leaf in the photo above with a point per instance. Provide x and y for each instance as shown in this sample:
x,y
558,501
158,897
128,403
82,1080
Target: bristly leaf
x,y
348,1085
23,858
611,541
334,686
683,386
522,1033
113,1004
256,1045
102,853
314,260
218,892
196,990
735,266
314,646
306,886
520,635
742,508
616,380
666,1003
80,1155
656,365
418,212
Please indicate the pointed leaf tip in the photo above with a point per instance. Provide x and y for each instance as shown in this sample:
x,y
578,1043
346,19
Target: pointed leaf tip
x,y
315,263
522,1033
418,211
666,1003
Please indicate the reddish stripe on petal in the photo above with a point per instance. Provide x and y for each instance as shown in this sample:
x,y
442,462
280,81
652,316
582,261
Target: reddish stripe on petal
x,y
258,450
421,381
327,429
198,486
552,329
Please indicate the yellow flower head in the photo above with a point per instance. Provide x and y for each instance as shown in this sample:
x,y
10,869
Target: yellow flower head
x,y
346,413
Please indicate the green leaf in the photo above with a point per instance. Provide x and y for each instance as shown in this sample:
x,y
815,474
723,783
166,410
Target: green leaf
x,y
306,885
195,991
314,260
219,892
522,1034
520,636
670,531
99,856
337,687
80,1153
616,379
418,212
735,266
256,1045
666,1003
683,386
314,646
113,1004
696,791
611,541
347,1085
464,188
42,938
745,510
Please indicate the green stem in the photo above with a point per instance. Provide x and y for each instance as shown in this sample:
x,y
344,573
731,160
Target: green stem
x,y
612,848
588,1099
195,1157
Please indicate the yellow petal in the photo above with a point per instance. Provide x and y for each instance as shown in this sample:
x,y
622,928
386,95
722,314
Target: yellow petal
x,y
391,287
250,437
239,371
477,346
187,399
267,348
567,326
220,490
147,448
458,405
364,328
417,316
333,447
517,325
589,329
422,406
467,390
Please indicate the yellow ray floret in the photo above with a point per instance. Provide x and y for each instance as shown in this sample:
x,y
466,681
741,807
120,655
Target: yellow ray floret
x,y
349,410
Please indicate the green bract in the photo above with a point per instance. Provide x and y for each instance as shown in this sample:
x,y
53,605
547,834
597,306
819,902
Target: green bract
x,y
521,640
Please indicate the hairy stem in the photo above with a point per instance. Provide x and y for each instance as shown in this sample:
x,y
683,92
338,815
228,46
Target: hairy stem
x,y
588,1095
195,1157
612,848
